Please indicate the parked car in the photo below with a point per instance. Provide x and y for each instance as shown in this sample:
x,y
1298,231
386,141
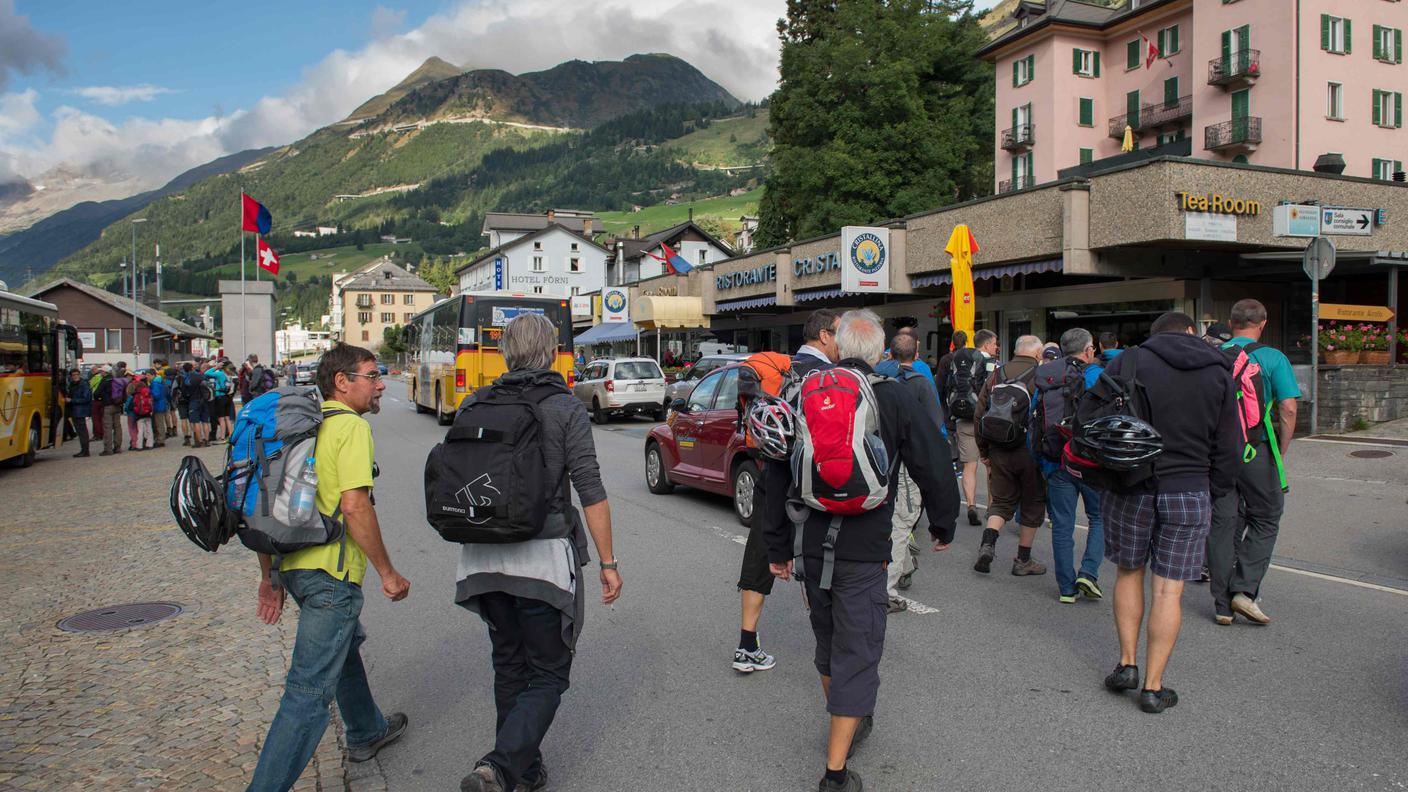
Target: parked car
x,y
701,445
622,386
381,367
680,388
305,374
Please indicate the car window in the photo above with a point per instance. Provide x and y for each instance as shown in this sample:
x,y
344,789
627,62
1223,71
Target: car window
x,y
702,397
638,369
727,394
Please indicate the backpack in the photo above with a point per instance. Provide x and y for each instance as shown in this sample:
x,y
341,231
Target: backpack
x,y
487,483
766,373
965,372
102,392
273,438
209,383
116,390
1124,394
1004,423
142,401
840,465
1057,385
261,380
1251,394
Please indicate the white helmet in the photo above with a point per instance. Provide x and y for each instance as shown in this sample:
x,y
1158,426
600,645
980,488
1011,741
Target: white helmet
x,y
772,425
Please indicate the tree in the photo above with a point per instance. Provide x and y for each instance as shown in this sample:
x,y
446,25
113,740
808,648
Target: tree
x,y
393,341
439,273
882,111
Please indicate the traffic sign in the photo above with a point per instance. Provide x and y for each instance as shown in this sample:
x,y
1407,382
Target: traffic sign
x,y
1318,261
1359,313
1354,222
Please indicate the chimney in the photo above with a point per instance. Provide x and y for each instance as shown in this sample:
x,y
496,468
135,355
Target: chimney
x,y
552,215
586,226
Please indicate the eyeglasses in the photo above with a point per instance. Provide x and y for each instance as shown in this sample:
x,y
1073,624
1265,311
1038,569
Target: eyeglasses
x,y
375,376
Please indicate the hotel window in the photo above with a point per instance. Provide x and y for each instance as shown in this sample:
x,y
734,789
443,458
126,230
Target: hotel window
x,y
1382,169
1335,34
407,317
1023,70
1388,109
1022,171
408,299
1172,137
112,341
537,263
1388,44
388,318
1168,41
1086,156
574,247
388,299
1086,63
1132,55
364,317
1087,112
537,245
1334,101
1171,92
574,264
537,289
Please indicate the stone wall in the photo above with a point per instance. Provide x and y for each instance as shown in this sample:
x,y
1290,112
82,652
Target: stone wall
x,y
1373,393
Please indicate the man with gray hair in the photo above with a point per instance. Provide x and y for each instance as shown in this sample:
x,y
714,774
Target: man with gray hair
x,y
847,617
529,593
1015,485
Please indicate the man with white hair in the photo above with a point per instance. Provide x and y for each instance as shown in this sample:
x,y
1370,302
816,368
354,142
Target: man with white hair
x,y
1015,485
848,617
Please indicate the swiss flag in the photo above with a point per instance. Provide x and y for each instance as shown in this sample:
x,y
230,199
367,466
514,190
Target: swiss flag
x,y
1151,51
266,257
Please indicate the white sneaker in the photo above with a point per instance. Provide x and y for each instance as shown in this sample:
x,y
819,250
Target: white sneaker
x,y
746,662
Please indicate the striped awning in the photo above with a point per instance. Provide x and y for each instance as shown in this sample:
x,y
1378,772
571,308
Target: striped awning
x,y
746,303
605,333
819,294
1025,268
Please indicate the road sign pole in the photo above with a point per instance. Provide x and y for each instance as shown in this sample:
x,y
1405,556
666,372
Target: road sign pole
x,y
1315,348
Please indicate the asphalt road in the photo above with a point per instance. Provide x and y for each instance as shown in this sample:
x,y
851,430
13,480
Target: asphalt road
x,y
995,686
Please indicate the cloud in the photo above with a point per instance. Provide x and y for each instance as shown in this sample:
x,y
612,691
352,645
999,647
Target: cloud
x,y
17,113
114,95
386,22
24,49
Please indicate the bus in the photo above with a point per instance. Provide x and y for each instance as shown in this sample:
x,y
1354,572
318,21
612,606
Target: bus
x,y
454,346
36,352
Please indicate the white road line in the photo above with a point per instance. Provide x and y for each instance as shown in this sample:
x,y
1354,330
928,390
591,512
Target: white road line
x,y
1366,443
392,398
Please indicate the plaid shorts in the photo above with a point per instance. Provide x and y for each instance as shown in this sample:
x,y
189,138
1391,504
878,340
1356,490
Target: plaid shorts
x,y
1168,531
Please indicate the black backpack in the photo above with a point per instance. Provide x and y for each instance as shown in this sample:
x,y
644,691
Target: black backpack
x,y
1057,385
1004,423
965,374
102,394
488,483
261,380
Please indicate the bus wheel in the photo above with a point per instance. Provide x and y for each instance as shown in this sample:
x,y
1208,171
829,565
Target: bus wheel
x,y
28,458
440,416
420,410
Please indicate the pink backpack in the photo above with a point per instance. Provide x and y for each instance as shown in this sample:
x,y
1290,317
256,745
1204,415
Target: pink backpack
x,y
1246,378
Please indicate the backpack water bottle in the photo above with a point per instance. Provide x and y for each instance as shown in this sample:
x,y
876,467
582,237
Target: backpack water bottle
x,y
303,500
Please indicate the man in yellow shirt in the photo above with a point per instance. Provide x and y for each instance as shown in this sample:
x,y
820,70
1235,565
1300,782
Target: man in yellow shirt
x,y
326,582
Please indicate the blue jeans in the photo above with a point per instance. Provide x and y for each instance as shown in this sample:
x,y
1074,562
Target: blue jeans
x,y
326,664
1061,494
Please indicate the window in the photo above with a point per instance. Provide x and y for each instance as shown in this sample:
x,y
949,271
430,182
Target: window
x,y
1021,119
408,299
1086,156
1171,92
1382,169
366,335
112,341
1172,137
537,245
574,247
364,317
574,264
1335,34
1023,70
727,396
1022,171
407,317
388,299
1132,56
1168,41
1388,44
1087,112
702,397
537,263
1086,63
1388,109
1334,101
537,289
704,256
388,318
576,290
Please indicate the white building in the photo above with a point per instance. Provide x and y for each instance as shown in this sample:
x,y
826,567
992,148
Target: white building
x,y
637,257
327,230
552,261
505,227
749,227
294,339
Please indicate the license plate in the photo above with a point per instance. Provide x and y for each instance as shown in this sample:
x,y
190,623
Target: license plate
x,y
638,388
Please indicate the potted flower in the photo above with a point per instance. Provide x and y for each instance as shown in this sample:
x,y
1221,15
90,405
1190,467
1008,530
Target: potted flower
x,y
1339,344
1403,345
1374,348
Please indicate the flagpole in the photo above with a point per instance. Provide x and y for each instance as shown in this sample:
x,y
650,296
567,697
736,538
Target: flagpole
x,y
244,313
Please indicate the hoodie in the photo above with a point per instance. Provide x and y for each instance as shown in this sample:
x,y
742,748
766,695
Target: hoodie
x,y
1193,405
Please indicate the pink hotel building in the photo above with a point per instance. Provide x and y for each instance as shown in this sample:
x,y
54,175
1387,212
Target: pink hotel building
x,y
1278,83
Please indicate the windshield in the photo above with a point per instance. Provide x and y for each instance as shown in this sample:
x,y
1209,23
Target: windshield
x,y
638,370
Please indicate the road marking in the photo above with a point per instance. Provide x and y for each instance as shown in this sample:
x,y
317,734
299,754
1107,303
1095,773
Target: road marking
x,y
392,398
1340,478
1376,442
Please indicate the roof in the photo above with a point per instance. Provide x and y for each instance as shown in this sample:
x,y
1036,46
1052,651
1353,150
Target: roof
x,y
158,319
635,248
513,221
375,279
488,254
1068,12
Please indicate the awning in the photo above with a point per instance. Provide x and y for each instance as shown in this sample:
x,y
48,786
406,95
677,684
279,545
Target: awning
x,y
1026,268
746,303
670,313
808,295
606,333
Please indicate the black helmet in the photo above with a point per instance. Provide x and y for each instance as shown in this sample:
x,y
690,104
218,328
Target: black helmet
x,y
198,504
1118,442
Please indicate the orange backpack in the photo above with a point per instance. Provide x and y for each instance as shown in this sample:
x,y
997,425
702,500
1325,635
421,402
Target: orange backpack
x,y
762,374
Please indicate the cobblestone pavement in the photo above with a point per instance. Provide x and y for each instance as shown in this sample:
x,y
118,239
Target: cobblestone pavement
x,y
182,704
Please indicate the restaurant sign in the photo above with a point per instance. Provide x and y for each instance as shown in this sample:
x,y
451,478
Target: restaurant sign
x,y
749,277
1217,204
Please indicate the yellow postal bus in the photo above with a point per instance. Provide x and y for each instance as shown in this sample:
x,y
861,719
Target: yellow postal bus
x,y
454,346
35,351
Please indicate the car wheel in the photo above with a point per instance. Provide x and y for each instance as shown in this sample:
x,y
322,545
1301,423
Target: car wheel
x,y
598,415
655,476
440,416
28,458
745,481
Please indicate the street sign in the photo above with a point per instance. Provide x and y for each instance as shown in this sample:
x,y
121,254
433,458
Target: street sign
x,y
1318,261
1352,222
498,274
1296,220
1356,313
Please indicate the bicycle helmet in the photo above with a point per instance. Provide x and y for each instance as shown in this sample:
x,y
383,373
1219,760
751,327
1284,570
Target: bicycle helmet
x,y
772,426
1118,442
198,504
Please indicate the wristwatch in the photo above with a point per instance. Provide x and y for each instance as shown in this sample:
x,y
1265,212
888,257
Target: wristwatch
x,y
612,565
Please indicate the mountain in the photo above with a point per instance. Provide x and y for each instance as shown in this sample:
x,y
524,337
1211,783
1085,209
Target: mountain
x,y
433,70
40,246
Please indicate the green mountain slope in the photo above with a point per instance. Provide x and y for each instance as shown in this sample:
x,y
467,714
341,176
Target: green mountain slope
x,y
727,142
433,70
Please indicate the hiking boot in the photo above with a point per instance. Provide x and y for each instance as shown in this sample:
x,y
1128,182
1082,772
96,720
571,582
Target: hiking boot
x,y
1124,677
1088,587
1248,608
746,662
1067,599
896,605
395,727
539,783
483,778
852,784
905,581
867,725
984,562
185,441
973,516
1021,568
1156,701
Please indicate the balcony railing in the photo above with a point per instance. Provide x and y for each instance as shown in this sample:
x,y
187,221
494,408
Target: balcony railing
x,y
1239,133
1153,116
1017,137
1011,185
1238,68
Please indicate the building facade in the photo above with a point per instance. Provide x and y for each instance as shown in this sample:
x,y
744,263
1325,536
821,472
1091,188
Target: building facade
x,y
637,258
104,324
504,227
381,296
553,261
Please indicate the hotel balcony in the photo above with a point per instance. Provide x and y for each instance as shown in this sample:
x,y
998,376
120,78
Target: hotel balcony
x,y
1235,71
1239,135
1017,138
1153,117
1012,185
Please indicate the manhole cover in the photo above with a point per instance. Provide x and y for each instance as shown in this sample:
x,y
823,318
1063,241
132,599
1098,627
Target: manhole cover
x,y
120,617
1371,454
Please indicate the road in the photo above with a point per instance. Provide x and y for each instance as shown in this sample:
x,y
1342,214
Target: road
x,y
995,685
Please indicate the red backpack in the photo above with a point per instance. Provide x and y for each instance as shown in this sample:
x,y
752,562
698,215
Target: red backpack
x,y
142,401
841,465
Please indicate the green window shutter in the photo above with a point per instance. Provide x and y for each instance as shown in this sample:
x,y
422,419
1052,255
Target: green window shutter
x,y
1086,155
1244,37
1131,107
1378,115
1374,168
1097,63
1397,166
1075,61
1348,40
1398,110
1226,49
1378,37
1014,74
1014,171
1087,112
1031,68
1171,91
1325,32
1397,46
1173,34
1131,54
1241,104
1014,120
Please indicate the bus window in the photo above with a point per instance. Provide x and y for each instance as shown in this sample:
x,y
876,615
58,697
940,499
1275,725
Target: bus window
x,y
41,340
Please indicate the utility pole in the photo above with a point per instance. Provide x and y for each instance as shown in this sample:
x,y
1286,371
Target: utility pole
x,y
135,348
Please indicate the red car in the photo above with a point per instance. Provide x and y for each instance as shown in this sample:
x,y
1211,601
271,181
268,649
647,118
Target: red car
x,y
701,445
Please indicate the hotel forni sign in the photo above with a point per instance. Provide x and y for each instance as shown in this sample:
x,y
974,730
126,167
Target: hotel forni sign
x,y
865,259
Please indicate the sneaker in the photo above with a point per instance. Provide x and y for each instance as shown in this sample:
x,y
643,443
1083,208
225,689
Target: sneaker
x,y
1124,677
1067,598
851,784
483,778
905,581
1222,619
746,662
1247,607
896,605
973,516
1088,587
395,727
1156,701
867,725
539,783
1022,568
984,562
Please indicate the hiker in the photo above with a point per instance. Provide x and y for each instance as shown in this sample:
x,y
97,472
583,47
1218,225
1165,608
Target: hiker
x,y
903,552
80,406
1016,489
161,407
967,370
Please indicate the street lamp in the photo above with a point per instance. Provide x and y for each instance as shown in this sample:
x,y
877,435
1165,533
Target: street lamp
x,y
135,351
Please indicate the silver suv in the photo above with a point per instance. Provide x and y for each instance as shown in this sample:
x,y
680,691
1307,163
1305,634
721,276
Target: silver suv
x,y
622,386
682,387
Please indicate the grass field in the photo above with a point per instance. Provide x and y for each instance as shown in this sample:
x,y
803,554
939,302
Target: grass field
x,y
328,262
727,142
726,210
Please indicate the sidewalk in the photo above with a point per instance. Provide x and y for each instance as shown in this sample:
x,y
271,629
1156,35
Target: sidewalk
x,y
179,704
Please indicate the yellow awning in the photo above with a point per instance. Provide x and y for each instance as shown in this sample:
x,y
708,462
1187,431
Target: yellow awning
x,y
671,313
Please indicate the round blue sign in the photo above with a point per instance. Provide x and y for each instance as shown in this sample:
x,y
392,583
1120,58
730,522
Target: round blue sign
x,y
868,253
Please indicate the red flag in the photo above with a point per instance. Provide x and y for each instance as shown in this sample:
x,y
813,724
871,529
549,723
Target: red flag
x,y
266,257
253,216
1151,52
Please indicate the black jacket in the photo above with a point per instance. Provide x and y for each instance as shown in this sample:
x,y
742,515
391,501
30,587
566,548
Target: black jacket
x,y
1193,405
909,435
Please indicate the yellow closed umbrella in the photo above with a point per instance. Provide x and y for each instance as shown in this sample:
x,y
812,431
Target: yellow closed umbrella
x,y
1128,144
962,304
